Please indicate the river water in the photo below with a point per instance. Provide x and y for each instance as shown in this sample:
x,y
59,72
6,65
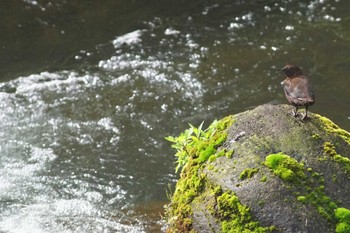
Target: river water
x,y
89,90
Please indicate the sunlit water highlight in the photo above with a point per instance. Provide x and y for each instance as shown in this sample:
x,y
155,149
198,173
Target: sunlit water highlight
x,y
64,132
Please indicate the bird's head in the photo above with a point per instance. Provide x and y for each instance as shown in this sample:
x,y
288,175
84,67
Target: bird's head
x,y
292,71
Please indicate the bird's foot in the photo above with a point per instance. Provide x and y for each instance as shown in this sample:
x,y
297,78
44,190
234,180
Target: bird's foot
x,y
294,113
305,116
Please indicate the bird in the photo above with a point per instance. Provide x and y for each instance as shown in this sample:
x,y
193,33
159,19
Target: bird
x,y
297,89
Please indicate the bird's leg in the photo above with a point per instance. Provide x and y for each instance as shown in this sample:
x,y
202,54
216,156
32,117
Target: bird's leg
x,y
295,113
305,115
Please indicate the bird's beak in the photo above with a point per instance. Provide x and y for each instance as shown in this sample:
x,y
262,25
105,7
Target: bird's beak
x,y
279,70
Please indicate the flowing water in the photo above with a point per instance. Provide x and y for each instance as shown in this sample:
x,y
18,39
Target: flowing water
x,y
89,90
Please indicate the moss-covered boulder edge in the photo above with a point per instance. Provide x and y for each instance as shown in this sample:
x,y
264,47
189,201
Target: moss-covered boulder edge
x,y
262,171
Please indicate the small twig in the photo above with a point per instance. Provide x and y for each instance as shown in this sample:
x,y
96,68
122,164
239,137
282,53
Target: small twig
x,y
238,136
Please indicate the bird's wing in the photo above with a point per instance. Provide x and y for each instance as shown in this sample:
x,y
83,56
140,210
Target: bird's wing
x,y
301,91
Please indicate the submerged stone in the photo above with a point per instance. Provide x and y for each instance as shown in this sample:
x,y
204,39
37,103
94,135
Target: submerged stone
x,y
283,175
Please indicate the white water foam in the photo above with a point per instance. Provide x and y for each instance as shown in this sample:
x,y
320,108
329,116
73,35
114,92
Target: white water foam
x,y
128,39
63,216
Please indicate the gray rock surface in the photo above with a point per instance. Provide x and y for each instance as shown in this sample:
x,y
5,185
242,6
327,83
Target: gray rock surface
x,y
270,129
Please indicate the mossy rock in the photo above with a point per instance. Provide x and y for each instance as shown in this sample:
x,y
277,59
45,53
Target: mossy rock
x,y
283,175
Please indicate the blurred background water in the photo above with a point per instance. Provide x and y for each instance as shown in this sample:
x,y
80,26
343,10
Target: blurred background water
x,y
89,90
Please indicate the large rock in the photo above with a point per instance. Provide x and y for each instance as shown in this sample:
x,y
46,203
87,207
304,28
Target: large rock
x,y
263,171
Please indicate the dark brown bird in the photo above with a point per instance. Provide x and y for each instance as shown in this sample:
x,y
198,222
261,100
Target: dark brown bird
x,y
297,89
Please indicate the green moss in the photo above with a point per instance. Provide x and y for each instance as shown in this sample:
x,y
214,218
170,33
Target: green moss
x,y
310,186
229,154
343,217
329,150
220,153
343,214
211,167
248,173
345,162
334,178
263,178
322,202
216,191
330,127
343,228
194,148
186,190
205,153
261,203
235,217
285,167
302,199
